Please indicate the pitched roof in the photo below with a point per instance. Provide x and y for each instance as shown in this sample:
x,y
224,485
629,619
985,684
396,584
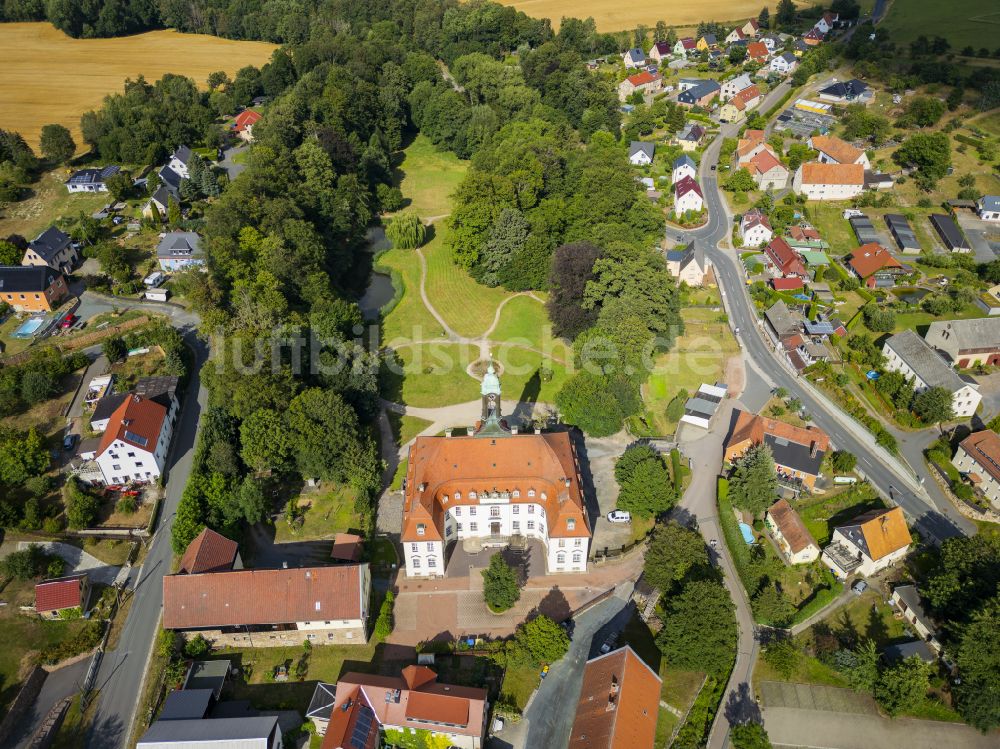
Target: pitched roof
x,y
754,428
909,595
49,243
346,546
925,361
784,257
786,284
984,448
526,468
685,185
791,526
750,140
815,173
846,89
137,421
183,154
248,597
92,176
956,336
640,79
879,532
700,91
688,43
754,217
990,202
27,278
837,149
183,244
60,593
744,97
781,319
692,132
245,119
619,703
709,39
683,160
639,146
757,50
870,258
803,233
661,47
209,552
764,162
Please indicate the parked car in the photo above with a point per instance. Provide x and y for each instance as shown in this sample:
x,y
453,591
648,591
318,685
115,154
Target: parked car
x,y
620,516
154,279
69,441
498,723
859,587
609,643
68,321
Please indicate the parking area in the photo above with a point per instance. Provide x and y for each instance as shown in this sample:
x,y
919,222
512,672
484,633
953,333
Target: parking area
x,y
601,455
983,235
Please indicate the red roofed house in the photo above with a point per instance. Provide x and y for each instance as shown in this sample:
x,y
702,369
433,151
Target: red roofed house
x,y
875,266
62,594
135,443
767,170
813,37
496,487
785,260
798,452
786,284
687,197
757,51
619,703
210,552
755,228
645,82
265,607
245,121
367,707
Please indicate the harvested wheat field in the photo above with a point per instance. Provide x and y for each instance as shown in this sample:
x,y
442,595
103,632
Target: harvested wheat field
x,y
627,14
50,77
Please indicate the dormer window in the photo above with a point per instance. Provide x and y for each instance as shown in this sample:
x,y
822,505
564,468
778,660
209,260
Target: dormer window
x,y
544,497
458,496
421,528
531,492
570,524
472,495
516,493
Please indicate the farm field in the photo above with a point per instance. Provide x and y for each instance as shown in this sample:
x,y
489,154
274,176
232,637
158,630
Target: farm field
x,y
49,77
974,22
631,13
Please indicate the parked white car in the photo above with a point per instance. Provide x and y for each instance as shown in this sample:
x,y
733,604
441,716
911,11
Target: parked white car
x,y
619,516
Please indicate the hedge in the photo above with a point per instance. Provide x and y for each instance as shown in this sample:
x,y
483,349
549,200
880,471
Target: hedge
x,y
968,140
675,469
699,718
821,597
738,548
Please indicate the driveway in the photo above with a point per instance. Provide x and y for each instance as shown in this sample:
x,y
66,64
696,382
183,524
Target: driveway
x,y
983,235
77,560
58,685
599,461
233,169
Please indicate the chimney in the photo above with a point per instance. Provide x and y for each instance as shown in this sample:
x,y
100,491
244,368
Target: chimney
x,y
513,430
447,432
422,488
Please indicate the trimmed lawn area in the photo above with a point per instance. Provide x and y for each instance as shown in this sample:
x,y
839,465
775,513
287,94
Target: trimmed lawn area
x,y
809,670
523,320
822,514
434,375
518,684
920,321
467,306
10,344
49,203
522,378
326,513
409,319
989,122
427,177
828,218
870,618
967,22
405,428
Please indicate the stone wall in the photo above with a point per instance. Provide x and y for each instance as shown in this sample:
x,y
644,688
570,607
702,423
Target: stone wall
x,y
279,639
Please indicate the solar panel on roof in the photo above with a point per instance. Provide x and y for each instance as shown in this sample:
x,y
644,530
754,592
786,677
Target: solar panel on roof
x,y
136,438
362,727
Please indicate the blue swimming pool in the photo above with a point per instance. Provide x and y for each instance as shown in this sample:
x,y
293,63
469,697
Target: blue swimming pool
x,y
28,328
747,532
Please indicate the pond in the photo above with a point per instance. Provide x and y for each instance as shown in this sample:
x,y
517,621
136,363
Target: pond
x,y
379,293
910,294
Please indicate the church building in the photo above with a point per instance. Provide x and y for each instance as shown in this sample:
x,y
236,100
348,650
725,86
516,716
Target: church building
x,y
495,486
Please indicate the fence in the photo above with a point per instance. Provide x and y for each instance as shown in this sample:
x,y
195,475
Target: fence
x,y
72,344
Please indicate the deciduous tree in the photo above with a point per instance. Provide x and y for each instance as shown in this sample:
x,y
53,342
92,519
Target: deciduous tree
x,y
674,553
501,588
685,639
57,143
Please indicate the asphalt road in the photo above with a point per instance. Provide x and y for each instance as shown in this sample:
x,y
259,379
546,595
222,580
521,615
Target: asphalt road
x,y
119,681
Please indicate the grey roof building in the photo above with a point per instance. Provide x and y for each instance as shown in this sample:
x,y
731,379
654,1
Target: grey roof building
x,y
924,361
864,229
187,704
218,733
902,232
180,245
50,243
781,321
905,650
641,147
977,339
950,233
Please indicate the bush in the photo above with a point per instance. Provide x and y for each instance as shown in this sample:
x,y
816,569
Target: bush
x,y
25,564
501,588
126,505
197,647
81,505
85,640
384,623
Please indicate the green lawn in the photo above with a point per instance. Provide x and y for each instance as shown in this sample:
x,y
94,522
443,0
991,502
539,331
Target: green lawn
x,y
330,511
49,202
966,22
523,320
428,176
405,428
870,619
809,670
919,321
467,306
828,218
522,374
434,375
518,684
823,513
409,319
989,121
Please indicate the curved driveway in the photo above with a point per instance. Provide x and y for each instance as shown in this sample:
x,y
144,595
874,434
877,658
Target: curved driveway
x,y
930,515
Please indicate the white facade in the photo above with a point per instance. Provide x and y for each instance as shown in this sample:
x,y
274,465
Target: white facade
x,y
682,171
783,66
756,235
868,566
734,85
964,400
122,462
814,191
988,485
689,201
640,158
496,518
178,166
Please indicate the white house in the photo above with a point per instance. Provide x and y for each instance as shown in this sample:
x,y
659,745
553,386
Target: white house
x,y
784,63
868,544
906,598
685,46
910,354
640,153
644,82
136,440
833,150
988,207
755,229
179,250
687,197
701,407
825,24
794,539
91,180
829,181
508,489
634,58
684,166
688,265
659,51
978,459
734,85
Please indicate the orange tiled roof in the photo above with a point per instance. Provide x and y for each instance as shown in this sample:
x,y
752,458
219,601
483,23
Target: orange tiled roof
x,y
814,173
137,421
752,427
209,552
757,50
640,79
750,140
764,162
540,469
839,150
872,257
984,448
619,703
246,118
791,526
885,531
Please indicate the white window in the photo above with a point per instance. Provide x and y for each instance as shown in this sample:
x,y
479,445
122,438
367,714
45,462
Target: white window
x,y
578,542
432,562
414,548
116,467
472,510
516,525
473,527
458,511
517,509
421,528
531,525
562,543
531,493
458,495
577,557
458,527
516,493
560,558
430,546
494,512
571,523
416,563
472,495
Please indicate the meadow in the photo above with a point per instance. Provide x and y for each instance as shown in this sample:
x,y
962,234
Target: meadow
x,y
631,13
975,22
49,77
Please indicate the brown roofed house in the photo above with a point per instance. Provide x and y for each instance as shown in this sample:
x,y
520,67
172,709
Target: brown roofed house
x,y
365,705
829,181
874,265
210,552
61,594
798,451
978,458
619,703
791,533
869,543
346,547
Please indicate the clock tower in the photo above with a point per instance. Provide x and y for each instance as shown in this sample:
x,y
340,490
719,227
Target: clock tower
x,y
492,423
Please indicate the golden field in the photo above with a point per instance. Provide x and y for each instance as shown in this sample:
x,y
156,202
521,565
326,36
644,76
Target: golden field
x,y
49,77
627,14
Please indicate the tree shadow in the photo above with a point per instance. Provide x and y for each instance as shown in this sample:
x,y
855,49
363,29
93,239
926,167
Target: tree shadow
x,y
847,633
876,629
554,605
741,707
